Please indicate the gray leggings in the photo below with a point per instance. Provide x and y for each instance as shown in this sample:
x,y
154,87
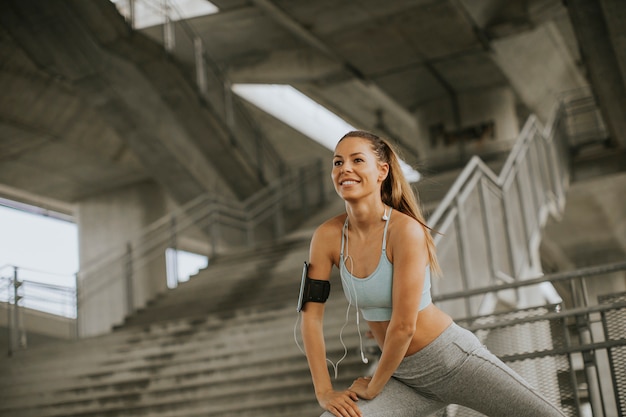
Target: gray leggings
x,y
456,369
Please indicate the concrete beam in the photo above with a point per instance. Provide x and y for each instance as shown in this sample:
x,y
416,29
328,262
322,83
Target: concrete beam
x,y
383,105
538,65
599,57
365,106
615,15
285,67
142,102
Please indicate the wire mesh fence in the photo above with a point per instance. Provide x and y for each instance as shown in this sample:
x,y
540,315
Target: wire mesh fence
x,y
573,354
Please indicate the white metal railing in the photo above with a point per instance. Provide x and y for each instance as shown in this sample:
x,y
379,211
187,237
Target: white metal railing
x,y
25,288
488,226
221,222
573,351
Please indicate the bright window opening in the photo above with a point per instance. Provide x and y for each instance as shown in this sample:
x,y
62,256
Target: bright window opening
x,y
181,265
303,114
153,12
43,253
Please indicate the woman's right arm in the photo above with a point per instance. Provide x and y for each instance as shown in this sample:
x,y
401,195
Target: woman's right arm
x,y
340,403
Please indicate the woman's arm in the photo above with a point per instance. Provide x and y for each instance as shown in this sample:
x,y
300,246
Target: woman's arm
x,y
410,258
340,403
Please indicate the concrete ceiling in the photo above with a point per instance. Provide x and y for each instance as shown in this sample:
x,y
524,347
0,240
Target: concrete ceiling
x,y
87,105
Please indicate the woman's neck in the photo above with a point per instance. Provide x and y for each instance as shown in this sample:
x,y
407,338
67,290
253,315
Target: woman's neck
x,y
363,217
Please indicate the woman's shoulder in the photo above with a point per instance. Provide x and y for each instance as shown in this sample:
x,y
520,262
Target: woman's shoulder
x,y
326,241
404,226
331,227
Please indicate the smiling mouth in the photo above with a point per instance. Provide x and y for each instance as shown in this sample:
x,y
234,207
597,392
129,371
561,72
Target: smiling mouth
x,y
349,182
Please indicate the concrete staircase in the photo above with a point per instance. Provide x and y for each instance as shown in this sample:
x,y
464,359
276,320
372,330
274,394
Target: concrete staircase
x,y
220,345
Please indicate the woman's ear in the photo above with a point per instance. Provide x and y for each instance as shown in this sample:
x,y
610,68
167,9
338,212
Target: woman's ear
x,y
384,172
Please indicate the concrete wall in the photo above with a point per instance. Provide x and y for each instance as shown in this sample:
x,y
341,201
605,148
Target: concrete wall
x,y
466,110
111,288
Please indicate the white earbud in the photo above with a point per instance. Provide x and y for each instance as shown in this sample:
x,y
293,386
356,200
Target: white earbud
x,y
363,358
385,215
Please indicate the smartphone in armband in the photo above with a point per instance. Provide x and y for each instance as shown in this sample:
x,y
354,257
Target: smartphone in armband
x,y
314,290
305,270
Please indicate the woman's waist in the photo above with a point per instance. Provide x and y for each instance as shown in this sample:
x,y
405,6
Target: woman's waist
x,y
431,322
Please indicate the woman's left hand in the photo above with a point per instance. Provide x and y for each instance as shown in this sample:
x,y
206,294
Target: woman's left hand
x,y
360,387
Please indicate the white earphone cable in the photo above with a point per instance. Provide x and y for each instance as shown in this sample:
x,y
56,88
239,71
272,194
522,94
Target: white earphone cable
x,y
365,360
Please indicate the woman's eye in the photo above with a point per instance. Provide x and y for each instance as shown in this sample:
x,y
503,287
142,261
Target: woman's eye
x,y
358,160
337,163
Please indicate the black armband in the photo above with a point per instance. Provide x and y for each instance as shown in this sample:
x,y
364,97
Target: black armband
x,y
314,290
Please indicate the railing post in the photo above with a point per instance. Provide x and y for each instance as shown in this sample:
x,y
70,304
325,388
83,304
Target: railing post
x,y
169,41
459,224
229,105
174,246
128,276
486,215
508,235
530,170
9,319
572,375
77,307
522,206
131,13
201,78
17,335
541,161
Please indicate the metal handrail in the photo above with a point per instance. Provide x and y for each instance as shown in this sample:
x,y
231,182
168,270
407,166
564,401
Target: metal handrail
x,y
202,212
530,185
19,293
572,349
477,164
552,278
49,288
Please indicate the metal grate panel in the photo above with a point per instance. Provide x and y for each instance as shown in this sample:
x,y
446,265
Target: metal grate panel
x,y
551,375
614,322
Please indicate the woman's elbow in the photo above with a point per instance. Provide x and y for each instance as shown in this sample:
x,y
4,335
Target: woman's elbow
x,y
404,329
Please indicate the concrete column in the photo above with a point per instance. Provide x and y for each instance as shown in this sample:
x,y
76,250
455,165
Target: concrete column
x,y
599,57
539,67
615,15
112,281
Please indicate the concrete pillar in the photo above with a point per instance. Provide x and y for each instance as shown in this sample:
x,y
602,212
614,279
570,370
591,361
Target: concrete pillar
x,y
112,281
539,66
615,15
599,57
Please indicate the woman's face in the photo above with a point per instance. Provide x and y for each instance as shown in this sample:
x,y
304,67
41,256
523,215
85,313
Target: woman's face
x,y
356,169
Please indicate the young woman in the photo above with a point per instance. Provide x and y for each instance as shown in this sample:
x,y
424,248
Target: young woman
x,y
385,255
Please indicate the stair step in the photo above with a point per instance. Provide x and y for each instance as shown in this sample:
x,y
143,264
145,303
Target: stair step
x,y
221,344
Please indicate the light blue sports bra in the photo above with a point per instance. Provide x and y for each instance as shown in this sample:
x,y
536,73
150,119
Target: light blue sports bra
x,y
372,294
